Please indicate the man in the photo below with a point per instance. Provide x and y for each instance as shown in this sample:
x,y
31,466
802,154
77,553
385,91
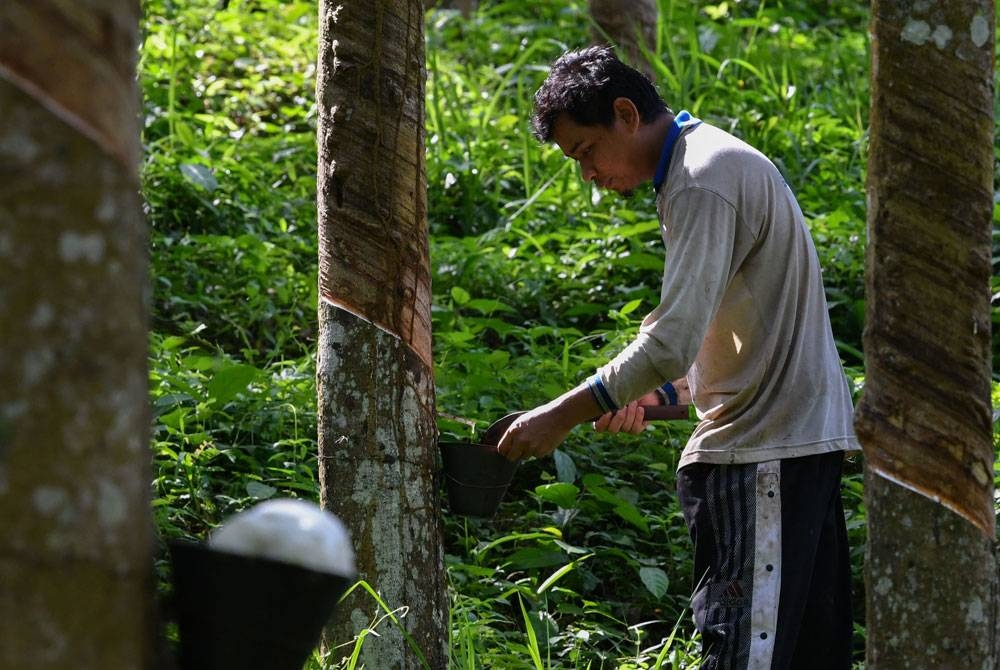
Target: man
x,y
743,318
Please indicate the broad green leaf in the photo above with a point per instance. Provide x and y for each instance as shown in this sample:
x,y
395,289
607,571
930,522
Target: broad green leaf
x,y
200,176
560,493
170,401
655,580
508,122
643,261
530,557
175,419
633,516
604,495
459,295
637,229
565,467
185,135
200,363
230,381
259,490
171,343
498,358
630,307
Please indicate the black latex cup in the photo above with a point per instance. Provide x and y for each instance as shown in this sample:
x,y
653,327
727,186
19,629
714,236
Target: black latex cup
x,y
240,613
476,477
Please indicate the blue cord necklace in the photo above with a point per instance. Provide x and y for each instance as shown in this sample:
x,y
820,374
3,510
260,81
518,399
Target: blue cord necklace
x,y
681,121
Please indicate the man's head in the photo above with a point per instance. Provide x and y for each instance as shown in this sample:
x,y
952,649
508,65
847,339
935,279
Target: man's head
x,y
584,85
602,114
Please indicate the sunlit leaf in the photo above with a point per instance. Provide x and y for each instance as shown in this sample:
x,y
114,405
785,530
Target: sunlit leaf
x,y
200,176
561,494
630,307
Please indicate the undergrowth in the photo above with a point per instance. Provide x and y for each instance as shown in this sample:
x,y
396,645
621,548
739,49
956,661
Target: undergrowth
x,y
537,277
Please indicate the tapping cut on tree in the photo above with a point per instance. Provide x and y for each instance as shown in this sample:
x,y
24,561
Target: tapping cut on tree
x,y
924,419
375,381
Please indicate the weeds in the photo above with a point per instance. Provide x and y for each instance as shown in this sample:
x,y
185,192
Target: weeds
x,y
537,280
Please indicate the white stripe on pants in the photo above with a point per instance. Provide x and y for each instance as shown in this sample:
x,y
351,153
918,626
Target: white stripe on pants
x,y
767,565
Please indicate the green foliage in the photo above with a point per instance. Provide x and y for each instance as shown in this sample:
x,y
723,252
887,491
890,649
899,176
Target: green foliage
x,y
537,277
229,177
226,434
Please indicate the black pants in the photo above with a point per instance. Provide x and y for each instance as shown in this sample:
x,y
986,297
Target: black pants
x,y
771,567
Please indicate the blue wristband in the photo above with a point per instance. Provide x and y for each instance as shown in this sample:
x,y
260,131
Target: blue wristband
x,y
670,392
601,394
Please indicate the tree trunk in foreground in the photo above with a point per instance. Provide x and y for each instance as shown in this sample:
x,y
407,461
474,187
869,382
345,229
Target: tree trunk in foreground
x,y
377,429
629,25
925,417
76,587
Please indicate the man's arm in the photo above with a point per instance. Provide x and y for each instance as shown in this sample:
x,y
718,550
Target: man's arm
x,y
540,431
606,423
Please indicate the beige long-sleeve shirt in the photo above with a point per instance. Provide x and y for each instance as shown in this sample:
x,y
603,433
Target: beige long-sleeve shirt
x,y
742,312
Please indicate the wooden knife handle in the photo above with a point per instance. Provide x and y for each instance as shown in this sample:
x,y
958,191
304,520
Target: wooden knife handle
x,y
661,412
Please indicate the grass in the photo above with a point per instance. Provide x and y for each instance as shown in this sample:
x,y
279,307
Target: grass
x,y
537,280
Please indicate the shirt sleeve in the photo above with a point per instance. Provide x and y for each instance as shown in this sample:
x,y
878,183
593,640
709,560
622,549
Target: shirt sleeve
x,y
700,236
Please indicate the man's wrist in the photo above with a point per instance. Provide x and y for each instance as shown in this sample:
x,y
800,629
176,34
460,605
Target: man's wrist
x,y
575,406
667,394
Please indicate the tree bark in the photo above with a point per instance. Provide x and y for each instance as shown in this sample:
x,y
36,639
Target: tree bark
x,y
629,25
377,429
930,583
925,417
76,587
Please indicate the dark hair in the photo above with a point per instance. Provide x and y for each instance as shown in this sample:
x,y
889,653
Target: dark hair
x,y
584,84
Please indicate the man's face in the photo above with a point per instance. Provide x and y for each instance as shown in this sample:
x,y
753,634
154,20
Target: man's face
x,y
605,154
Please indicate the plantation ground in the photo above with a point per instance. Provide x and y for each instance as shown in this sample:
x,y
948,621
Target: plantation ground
x,y
538,279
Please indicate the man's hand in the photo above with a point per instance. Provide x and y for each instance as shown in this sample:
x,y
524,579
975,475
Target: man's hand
x,y
629,419
539,432
536,433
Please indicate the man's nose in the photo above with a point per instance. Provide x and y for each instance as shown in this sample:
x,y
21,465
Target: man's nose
x,y
587,171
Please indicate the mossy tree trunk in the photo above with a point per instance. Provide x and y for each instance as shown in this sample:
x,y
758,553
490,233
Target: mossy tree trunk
x,y
629,25
925,417
76,584
377,430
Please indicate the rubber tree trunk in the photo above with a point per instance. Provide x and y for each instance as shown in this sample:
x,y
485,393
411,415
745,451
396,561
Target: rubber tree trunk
x,y
377,431
629,25
76,546
925,416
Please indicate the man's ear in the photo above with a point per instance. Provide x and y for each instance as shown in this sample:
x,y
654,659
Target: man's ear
x,y
626,112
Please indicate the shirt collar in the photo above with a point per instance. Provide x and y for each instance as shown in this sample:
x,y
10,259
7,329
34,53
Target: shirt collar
x,y
681,121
